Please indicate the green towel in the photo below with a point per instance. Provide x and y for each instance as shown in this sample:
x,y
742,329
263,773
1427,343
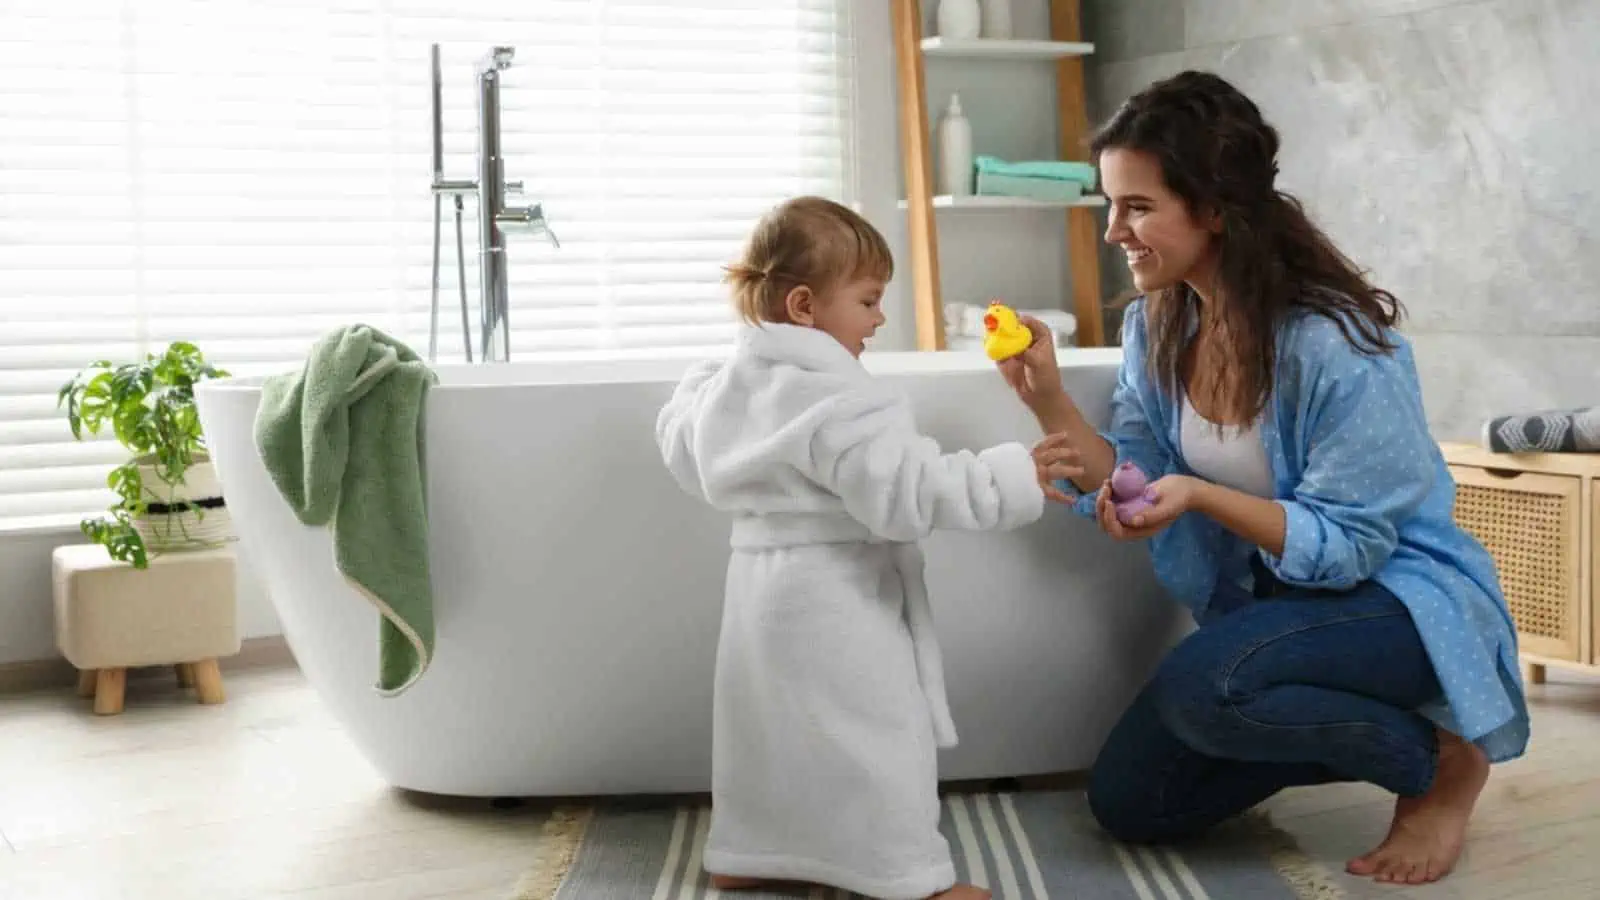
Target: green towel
x,y
1054,170
343,441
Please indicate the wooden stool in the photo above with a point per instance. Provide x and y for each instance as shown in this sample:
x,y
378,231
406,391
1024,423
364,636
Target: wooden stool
x,y
111,617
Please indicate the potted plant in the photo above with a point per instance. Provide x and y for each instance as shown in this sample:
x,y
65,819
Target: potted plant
x,y
168,494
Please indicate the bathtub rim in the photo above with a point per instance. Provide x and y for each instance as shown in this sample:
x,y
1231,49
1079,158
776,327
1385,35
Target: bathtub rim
x,y
667,366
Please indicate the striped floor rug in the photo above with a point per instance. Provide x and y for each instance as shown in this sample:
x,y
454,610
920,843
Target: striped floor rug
x,y
1021,846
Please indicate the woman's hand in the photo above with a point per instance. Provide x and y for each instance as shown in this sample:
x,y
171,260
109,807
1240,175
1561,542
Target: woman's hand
x,y
1034,373
1036,378
1056,459
1170,497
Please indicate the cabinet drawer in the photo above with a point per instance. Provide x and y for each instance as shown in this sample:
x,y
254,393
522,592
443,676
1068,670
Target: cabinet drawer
x,y
1530,523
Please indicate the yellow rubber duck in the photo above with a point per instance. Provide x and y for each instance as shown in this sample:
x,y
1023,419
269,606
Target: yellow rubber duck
x,y
1006,335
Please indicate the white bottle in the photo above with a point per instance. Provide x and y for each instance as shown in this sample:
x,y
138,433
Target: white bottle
x,y
955,151
959,19
997,19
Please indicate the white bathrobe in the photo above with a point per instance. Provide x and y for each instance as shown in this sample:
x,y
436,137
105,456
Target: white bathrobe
x,y
829,693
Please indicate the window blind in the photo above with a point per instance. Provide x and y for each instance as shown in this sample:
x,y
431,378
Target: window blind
x,y
249,174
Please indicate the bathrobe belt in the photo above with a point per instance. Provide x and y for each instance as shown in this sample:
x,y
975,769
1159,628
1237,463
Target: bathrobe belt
x,y
778,531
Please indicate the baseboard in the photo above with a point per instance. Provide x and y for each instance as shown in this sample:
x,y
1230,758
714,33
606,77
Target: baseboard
x,y
40,674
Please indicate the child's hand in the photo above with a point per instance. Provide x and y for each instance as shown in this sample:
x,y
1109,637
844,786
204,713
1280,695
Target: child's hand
x,y
1055,459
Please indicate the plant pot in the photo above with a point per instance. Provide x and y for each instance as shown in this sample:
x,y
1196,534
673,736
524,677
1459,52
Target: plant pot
x,y
189,515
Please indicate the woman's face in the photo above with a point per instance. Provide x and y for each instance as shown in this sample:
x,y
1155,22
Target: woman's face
x,y
1164,243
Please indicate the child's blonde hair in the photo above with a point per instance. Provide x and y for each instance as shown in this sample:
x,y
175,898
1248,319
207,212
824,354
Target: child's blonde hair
x,y
806,241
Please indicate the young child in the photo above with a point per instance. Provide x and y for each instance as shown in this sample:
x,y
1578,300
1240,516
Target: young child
x,y
829,694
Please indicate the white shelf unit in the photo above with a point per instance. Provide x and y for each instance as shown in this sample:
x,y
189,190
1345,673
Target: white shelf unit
x,y
1065,51
997,202
1002,48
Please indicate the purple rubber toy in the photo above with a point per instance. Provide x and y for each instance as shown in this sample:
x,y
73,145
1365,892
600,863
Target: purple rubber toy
x,y
1130,491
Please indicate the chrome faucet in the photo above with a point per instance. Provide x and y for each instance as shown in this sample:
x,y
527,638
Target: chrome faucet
x,y
495,217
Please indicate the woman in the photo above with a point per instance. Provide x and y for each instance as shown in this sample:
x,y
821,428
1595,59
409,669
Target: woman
x,y
1349,630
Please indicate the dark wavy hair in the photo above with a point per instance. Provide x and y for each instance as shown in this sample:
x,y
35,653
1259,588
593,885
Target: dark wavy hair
x,y
1219,155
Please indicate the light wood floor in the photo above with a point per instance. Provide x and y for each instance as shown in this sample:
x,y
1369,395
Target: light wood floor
x,y
264,797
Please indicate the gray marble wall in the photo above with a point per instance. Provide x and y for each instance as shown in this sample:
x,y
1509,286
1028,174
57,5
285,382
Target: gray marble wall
x,y
1451,147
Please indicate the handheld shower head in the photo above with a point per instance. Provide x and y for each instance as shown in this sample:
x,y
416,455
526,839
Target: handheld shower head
x,y
498,59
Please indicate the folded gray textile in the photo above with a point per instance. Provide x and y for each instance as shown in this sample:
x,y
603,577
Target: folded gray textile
x,y
1550,431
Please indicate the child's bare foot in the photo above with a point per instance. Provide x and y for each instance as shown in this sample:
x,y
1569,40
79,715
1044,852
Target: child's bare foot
x,y
963,892
1428,831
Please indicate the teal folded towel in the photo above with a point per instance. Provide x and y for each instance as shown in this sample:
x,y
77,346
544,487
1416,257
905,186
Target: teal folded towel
x,y
1054,170
343,442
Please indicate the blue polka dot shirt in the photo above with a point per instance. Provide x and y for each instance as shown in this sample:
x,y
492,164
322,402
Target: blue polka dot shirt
x,y
1366,495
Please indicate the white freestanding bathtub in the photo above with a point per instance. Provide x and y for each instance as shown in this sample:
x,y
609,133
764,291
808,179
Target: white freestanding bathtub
x,y
577,591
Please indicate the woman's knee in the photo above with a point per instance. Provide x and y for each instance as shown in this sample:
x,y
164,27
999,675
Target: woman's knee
x,y
1130,807
1123,804
1133,774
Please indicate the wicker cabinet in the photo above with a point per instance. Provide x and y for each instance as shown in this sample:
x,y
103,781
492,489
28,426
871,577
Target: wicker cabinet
x,y
1537,514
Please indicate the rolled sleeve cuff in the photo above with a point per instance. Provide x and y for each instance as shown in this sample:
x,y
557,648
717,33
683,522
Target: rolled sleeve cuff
x,y
1082,504
1302,546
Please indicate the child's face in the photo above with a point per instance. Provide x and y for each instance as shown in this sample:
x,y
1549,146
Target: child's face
x,y
851,313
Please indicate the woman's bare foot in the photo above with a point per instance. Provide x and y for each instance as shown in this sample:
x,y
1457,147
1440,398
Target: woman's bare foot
x,y
1428,831
963,892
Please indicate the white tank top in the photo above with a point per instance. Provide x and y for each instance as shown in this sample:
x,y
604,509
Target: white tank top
x,y
1235,459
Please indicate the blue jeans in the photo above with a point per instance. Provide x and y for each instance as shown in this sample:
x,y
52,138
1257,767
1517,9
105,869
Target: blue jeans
x,y
1284,688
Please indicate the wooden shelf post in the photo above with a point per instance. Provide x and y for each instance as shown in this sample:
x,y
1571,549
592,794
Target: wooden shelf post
x,y
1083,229
918,169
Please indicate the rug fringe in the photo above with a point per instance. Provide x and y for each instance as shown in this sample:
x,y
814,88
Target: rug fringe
x,y
1309,879
558,847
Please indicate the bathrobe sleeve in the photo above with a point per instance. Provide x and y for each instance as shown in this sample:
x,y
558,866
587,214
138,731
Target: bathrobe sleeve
x,y
866,449
1367,462
675,430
